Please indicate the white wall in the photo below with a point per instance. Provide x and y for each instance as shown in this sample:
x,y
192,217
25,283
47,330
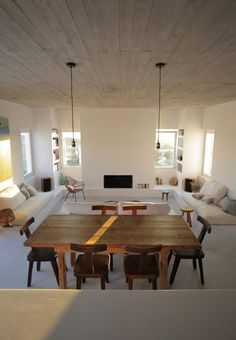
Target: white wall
x,y
117,142
222,119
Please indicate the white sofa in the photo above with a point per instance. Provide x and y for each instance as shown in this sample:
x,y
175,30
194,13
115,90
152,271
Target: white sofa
x,y
210,206
85,208
38,206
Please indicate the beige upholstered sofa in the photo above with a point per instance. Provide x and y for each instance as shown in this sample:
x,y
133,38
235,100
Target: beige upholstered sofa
x,y
212,204
38,205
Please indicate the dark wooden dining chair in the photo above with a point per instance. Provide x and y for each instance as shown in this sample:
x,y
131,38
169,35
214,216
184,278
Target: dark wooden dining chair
x,y
90,264
191,254
142,262
39,255
105,211
134,208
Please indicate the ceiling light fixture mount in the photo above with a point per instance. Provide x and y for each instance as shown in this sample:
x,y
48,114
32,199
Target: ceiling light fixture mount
x,y
160,66
71,66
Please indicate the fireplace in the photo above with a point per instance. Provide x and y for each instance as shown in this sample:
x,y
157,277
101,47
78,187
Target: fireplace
x,y
118,181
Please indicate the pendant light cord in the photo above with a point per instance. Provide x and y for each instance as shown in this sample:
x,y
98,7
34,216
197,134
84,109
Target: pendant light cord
x,y
159,113
72,103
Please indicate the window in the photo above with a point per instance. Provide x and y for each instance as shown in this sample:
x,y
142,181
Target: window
x,y
208,152
26,153
165,156
71,156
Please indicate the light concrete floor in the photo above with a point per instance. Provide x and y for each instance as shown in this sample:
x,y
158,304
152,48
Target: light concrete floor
x,y
219,263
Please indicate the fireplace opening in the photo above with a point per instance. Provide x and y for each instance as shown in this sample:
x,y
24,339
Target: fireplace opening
x,y
118,181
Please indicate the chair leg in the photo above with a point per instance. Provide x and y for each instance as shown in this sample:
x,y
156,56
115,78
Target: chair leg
x,y
130,283
169,257
84,279
174,269
66,196
201,271
154,283
38,266
83,194
55,269
31,263
111,262
75,196
107,278
194,264
78,282
103,283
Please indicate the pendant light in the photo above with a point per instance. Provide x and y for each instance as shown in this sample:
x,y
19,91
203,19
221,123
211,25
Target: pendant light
x,y
158,145
71,66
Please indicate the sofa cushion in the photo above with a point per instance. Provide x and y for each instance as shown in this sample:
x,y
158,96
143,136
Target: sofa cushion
x,y
207,199
32,207
231,207
215,215
214,189
11,198
25,192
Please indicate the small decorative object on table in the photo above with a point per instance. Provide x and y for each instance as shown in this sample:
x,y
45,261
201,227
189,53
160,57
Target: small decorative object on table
x,y
6,217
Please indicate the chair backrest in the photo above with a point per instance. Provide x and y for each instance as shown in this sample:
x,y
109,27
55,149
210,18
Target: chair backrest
x,y
88,250
134,208
206,227
68,180
104,208
25,229
143,251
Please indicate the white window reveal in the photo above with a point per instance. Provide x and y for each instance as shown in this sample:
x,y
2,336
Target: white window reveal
x,y
165,156
71,156
208,153
26,153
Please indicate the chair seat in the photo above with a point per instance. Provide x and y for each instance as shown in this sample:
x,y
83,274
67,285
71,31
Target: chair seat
x,y
41,254
189,253
132,265
99,268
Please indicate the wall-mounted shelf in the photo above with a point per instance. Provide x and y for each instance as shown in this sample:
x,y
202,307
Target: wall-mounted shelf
x,y
180,145
55,150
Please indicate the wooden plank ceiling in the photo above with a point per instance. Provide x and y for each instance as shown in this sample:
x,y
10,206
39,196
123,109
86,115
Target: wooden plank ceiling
x,y
116,44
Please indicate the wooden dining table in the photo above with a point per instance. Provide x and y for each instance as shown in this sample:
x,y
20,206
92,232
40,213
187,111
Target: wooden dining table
x,y
59,231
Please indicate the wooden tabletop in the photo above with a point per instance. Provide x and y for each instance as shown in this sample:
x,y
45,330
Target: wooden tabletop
x,y
116,231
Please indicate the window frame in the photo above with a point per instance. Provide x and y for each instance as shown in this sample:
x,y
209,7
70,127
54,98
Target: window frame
x,y
78,147
204,153
29,155
174,131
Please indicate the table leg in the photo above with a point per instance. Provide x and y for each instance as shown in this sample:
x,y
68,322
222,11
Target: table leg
x,y
62,270
164,269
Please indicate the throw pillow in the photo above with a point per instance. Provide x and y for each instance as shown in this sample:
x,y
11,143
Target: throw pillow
x,y
25,193
198,196
231,208
224,202
208,199
32,190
